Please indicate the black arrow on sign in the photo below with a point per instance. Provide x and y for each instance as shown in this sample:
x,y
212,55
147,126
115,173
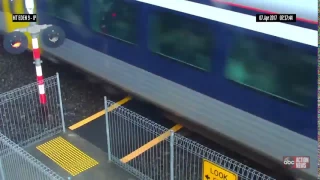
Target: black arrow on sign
x,y
207,177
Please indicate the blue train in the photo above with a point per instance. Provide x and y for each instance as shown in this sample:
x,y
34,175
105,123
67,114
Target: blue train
x,y
209,61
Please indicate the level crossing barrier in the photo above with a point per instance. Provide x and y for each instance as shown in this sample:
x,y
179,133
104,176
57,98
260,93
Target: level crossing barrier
x,y
152,152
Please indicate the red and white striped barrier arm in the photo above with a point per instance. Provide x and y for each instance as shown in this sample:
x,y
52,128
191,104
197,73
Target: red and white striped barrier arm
x,y
36,57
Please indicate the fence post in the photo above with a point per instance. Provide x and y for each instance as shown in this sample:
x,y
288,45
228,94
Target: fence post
x,y
60,103
107,128
3,177
171,155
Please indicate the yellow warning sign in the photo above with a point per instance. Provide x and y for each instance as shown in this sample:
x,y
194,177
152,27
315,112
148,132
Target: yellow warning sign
x,y
212,171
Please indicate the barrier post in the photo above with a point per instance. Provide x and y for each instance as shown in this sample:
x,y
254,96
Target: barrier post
x,y
36,54
107,128
60,103
37,62
171,155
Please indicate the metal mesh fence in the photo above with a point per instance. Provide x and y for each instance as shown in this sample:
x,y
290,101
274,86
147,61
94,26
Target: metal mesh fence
x,y
24,120
150,151
188,152
130,131
16,163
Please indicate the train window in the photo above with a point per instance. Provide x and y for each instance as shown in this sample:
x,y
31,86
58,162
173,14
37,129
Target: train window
x,y
69,10
116,18
182,39
274,68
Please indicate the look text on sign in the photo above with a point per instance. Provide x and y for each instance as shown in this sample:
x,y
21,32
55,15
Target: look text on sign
x,y
212,171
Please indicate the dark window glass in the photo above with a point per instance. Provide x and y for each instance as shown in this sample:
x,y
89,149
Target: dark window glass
x,y
181,39
116,18
69,10
274,68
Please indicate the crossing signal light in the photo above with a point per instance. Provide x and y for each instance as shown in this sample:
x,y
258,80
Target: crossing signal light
x,y
15,42
53,37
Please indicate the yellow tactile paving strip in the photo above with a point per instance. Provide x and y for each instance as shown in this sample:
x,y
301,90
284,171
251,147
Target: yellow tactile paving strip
x,y
67,156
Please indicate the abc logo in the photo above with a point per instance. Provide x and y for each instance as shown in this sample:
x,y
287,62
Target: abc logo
x,y
288,161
